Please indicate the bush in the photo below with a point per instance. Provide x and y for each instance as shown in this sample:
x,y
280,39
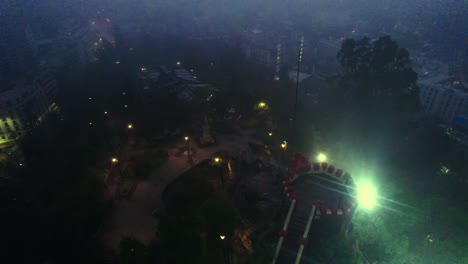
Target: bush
x,y
126,188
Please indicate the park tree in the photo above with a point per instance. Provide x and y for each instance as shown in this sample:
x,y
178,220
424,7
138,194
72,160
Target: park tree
x,y
377,89
376,72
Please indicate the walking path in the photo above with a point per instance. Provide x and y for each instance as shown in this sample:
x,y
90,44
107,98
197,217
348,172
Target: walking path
x,y
134,216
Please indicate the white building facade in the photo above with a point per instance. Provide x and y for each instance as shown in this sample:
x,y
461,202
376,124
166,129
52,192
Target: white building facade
x,y
24,105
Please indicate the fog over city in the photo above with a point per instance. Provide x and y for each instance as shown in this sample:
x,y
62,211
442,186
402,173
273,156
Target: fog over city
x,y
234,131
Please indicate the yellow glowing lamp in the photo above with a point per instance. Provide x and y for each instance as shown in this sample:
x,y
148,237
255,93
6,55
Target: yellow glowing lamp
x,y
261,105
284,144
130,126
217,159
321,157
186,138
222,237
114,160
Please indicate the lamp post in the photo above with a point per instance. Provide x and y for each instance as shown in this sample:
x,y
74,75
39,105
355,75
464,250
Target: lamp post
x,y
114,160
223,239
284,146
219,162
186,138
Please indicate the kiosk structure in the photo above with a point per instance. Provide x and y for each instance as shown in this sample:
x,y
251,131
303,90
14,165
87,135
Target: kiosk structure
x,y
321,204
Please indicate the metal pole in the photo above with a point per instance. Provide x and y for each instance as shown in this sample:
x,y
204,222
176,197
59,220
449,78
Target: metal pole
x,y
299,59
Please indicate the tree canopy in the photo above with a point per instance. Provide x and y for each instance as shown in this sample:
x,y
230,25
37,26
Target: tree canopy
x,y
377,76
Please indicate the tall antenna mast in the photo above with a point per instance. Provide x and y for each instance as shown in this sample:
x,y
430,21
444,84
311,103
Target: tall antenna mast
x,y
299,60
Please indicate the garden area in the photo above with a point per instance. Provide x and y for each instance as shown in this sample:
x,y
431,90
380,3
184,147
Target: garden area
x,y
139,167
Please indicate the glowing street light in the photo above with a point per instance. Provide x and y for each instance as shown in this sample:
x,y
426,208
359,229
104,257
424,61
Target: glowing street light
x,y
105,112
217,160
366,195
284,145
222,237
114,160
321,157
178,63
262,105
270,134
129,126
186,138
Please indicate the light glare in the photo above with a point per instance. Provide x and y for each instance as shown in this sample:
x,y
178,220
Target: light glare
x,y
366,195
321,157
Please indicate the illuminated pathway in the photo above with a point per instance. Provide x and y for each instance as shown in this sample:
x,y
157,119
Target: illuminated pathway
x,y
135,215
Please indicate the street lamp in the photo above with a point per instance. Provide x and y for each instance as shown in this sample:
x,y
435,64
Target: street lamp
x,y
129,126
270,134
114,160
284,145
262,105
186,138
321,157
218,161
366,195
222,237
178,63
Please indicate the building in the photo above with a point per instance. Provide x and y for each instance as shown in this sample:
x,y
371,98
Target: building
x,y
23,105
264,48
444,100
441,95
